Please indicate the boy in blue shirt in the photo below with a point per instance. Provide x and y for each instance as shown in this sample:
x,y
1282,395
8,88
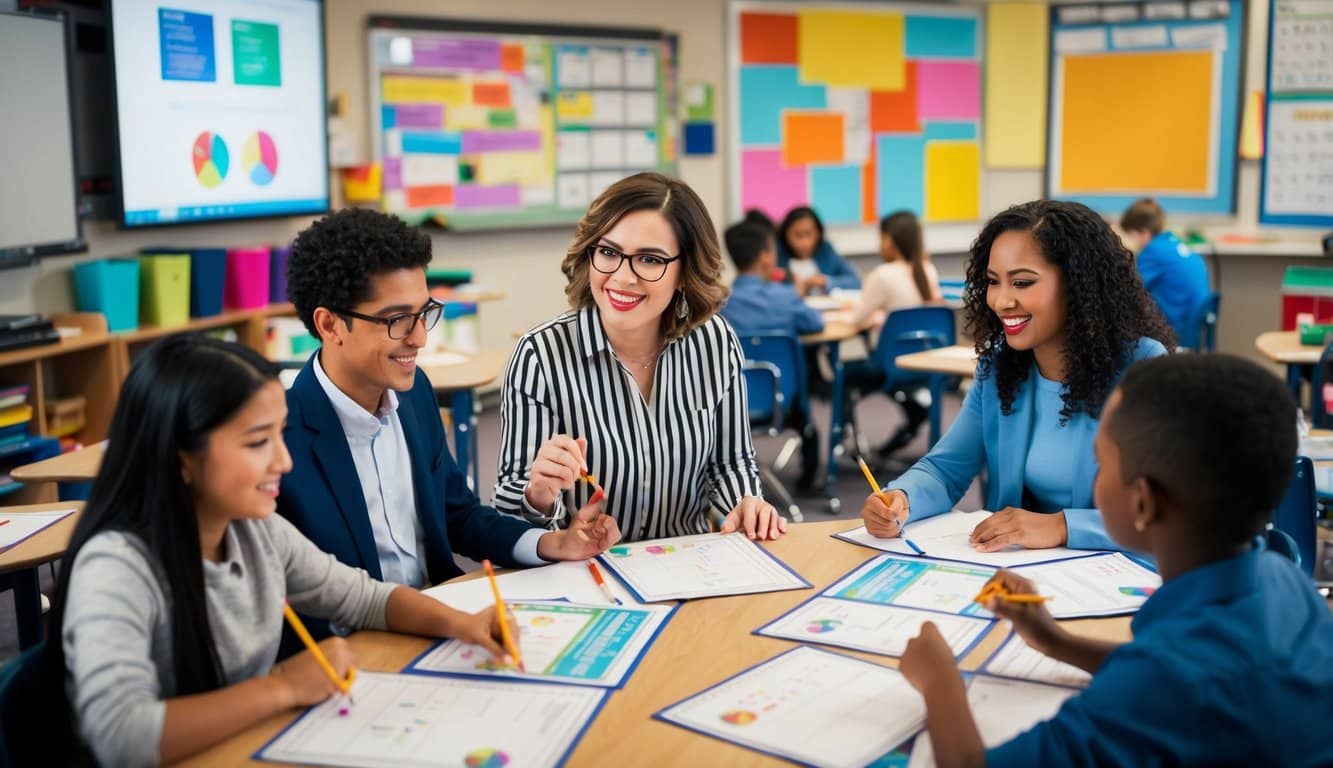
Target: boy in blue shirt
x,y
1176,277
1232,658
757,305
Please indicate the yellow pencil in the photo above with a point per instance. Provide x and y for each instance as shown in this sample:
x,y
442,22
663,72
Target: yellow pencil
x,y
343,685
1010,598
870,478
502,616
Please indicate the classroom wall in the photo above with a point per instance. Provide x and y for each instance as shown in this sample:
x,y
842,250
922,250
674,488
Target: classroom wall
x,y
1248,286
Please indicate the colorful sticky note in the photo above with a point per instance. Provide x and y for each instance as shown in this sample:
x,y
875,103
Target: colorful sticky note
x,y
835,192
1252,127
478,53
900,173
768,185
1106,147
495,168
700,138
500,141
512,57
392,173
362,184
1016,71
896,111
952,37
699,102
418,116
948,90
426,197
468,117
478,196
868,207
812,137
953,181
501,118
574,106
491,94
765,93
941,131
398,89
856,48
768,38
438,143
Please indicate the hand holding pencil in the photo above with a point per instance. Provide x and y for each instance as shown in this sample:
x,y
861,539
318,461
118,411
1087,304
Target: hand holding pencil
x,y
325,667
884,513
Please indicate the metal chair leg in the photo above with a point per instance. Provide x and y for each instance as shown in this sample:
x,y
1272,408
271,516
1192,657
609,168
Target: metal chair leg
x,y
780,491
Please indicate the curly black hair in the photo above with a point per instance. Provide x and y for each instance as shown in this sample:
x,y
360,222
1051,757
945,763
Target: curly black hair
x,y
332,260
1107,309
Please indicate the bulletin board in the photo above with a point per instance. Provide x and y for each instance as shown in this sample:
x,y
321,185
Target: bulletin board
x,y
1145,100
484,125
1298,159
855,109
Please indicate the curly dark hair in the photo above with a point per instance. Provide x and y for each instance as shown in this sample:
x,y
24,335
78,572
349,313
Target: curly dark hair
x,y
1107,309
332,260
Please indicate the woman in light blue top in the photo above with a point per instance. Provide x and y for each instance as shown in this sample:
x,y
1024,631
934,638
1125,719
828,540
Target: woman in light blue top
x,y
1058,313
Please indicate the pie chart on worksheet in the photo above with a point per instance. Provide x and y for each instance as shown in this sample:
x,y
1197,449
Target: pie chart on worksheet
x,y
260,158
210,159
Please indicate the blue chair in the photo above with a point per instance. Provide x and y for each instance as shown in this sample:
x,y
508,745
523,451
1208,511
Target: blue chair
x,y
35,726
763,387
772,398
1295,516
1200,334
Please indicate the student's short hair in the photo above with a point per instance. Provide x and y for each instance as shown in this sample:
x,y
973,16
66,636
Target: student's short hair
x,y
1144,213
332,260
1215,433
756,216
745,242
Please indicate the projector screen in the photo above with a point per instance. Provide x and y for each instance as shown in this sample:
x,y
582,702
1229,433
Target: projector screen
x,y
38,208
220,109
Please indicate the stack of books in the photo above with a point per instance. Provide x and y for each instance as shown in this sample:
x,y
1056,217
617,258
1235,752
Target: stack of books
x,y
18,331
18,446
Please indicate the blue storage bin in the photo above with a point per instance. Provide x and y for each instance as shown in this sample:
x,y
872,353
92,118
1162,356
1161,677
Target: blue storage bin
x,y
109,286
277,279
208,273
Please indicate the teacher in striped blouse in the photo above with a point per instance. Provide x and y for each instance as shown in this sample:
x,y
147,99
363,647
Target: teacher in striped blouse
x,y
639,383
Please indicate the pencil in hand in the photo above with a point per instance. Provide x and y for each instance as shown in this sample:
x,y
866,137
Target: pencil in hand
x,y
343,685
502,616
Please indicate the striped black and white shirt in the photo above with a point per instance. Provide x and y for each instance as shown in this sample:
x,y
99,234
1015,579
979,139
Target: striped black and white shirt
x,y
663,462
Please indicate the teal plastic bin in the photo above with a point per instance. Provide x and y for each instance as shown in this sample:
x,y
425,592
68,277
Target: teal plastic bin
x,y
109,286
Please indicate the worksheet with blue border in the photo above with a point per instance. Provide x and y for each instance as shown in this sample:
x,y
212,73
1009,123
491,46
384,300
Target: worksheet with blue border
x,y
703,565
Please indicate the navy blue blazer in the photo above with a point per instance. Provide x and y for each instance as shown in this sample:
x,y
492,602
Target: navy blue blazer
x,y
322,494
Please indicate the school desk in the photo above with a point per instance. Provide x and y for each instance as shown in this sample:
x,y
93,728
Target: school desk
x,y
704,643
457,379
19,566
943,363
835,332
1285,348
74,467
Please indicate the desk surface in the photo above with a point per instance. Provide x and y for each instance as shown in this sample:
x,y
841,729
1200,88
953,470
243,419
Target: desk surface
x,y
704,643
834,330
478,370
1285,347
73,467
957,360
47,545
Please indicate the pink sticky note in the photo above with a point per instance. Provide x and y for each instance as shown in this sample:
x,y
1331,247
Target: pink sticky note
x,y
768,186
948,90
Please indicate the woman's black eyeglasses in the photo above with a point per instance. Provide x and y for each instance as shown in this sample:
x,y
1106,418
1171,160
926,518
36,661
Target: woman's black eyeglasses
x,y
648,266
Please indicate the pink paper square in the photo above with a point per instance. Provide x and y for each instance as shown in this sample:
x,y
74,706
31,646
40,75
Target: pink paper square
x,y
948,90
768,186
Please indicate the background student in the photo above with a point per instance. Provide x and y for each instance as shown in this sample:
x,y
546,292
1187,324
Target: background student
x,y
1232,658
1058,314
1176,277
757,305
166,623
810,261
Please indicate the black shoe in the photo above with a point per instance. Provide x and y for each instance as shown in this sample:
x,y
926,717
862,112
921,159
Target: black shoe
x,y
900,439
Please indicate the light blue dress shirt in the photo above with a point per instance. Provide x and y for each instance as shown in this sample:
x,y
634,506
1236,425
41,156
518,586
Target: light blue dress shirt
x,y
1048,476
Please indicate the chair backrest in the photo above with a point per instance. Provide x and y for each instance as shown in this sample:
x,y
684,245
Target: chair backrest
x,y
763,393
912,330
1322,416
783,350
35,726
1200,332
1295,515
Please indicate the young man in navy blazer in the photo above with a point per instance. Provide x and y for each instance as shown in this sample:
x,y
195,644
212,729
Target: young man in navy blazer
x,y
372,479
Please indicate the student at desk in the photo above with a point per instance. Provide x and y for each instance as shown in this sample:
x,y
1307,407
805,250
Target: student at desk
x,y
372,479
640,383
1176,277
811,264
1058,314
1232,657
757,305
166,623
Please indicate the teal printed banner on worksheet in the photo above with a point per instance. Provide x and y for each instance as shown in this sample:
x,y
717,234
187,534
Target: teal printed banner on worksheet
x,y
931,585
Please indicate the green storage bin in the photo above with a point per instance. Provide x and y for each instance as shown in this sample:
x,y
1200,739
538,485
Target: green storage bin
x,y
164,289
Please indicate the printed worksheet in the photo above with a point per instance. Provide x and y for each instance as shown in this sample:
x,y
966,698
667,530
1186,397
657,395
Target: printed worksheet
x,y
1102,585
945,537
417,720
1002,710
704,565
561,643
1015,658
883,629
558,581
810,706
17,527
932,585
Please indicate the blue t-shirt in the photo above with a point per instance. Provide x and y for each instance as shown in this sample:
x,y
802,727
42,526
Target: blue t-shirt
x,y
1177,278
757,305
1048,476
1231,663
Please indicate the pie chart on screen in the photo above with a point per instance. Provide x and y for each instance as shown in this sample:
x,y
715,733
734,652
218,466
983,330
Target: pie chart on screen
x,y
260,158
210,159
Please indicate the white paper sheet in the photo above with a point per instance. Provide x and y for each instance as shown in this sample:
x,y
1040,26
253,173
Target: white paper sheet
x,y
567,580
640,149
573,150
1002,710
932,585
945,537
706,565
608,67
640,68
561,642
571,190
808,705
574,67
641,108
1015,658
1101,585
23,525
607,150
883,629
417,720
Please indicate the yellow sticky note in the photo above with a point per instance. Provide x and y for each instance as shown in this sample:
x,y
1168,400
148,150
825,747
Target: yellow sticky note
x,y
953,181
852,48
1016,72
524,168
574,106
431,90
362,184
1251,127
466,117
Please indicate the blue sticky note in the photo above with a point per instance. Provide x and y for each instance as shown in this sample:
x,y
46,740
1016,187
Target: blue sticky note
x,y
950,131
432,143
835,193
388,117
700,138
900,173
941,37
186,43
765,92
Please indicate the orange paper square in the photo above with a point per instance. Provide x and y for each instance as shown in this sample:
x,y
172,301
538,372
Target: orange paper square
x,y
422,197
895,111
512,57
768,38
812,137
490,94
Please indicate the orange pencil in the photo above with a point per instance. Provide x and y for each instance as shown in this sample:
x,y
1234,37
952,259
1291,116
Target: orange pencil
x,y
511,647
601,582
5,521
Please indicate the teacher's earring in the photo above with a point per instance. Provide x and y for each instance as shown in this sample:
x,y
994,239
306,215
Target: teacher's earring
x,y
1140,525
683,310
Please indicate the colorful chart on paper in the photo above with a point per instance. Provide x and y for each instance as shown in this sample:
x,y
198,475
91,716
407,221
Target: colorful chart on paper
x,y
856,110
496,125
